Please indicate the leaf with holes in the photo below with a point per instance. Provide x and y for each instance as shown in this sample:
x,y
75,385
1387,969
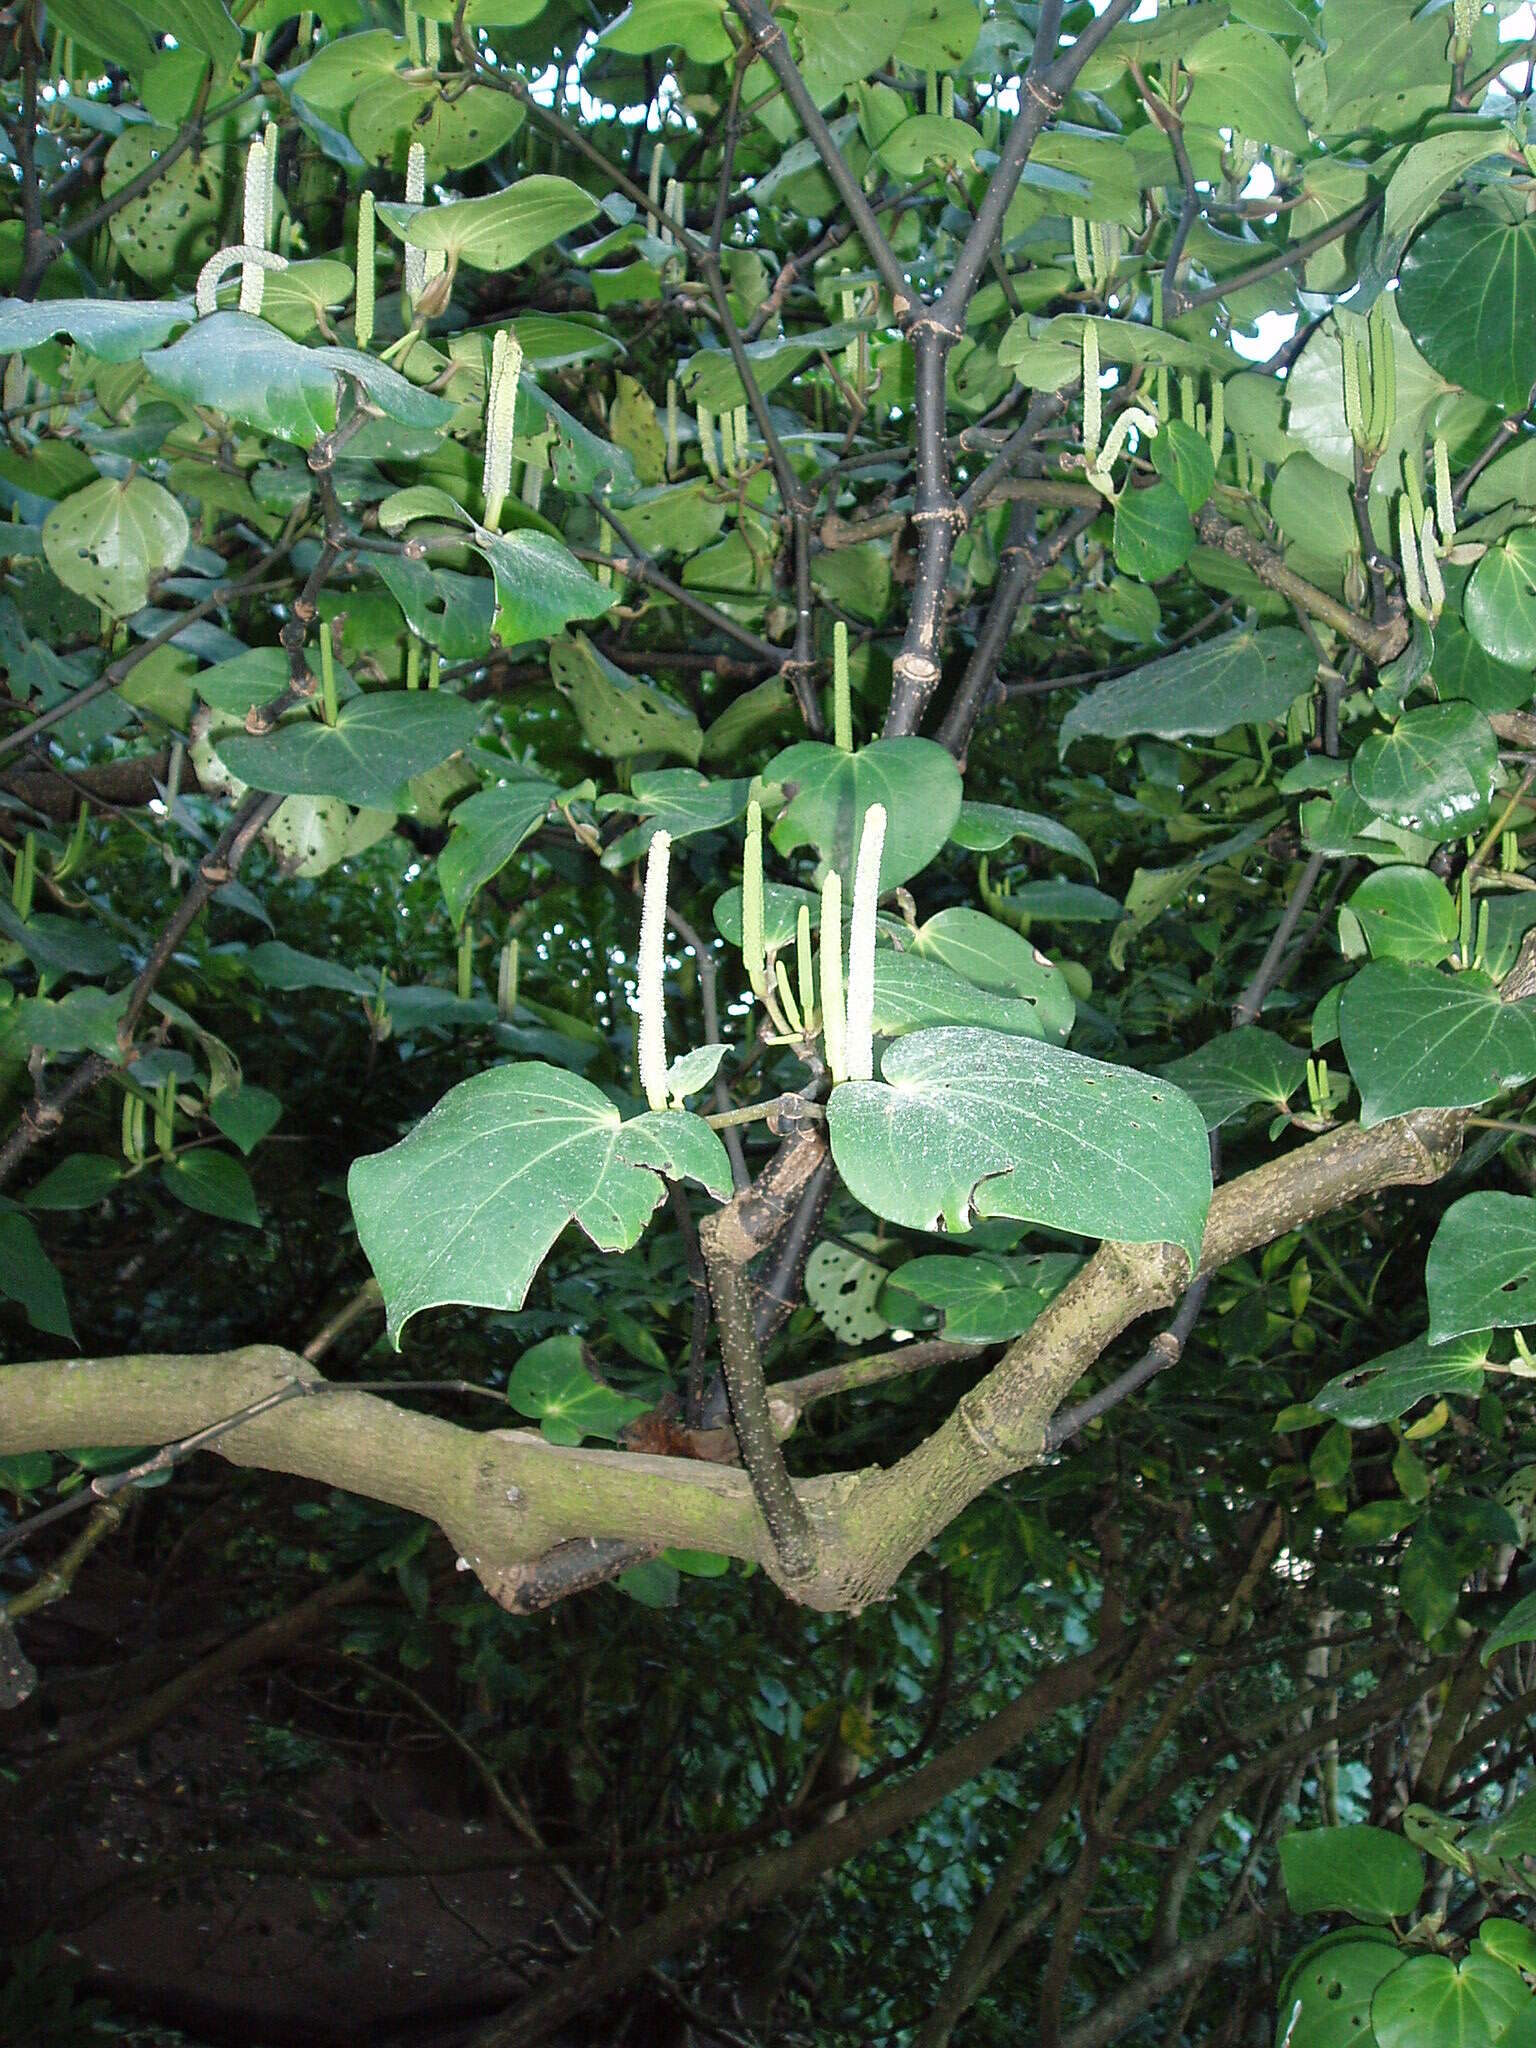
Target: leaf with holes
x,y
967,1124
1481,1270
503,1163
843,1288
174,225
1418,1039
1387,1387
109,540
620,714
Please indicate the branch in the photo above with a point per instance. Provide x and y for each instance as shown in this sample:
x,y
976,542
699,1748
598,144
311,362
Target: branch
x,y
1107,2022
1379,643
730,1239
772,45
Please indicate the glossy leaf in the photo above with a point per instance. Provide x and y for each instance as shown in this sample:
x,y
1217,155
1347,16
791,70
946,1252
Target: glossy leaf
x,y
968,1124
1468,298
1481,1271
1419,1039
1369,1873
1433,772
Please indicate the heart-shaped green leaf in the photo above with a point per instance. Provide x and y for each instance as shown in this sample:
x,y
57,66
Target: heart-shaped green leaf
x,y
503,1163
487,830
1232,1072
828,792
108,540
1433,772
1481,1270
1389,1386
1500,603
1469,2004
553,1383
970,1124
368,756
1468,297
1364,1871
249,372
1419,1039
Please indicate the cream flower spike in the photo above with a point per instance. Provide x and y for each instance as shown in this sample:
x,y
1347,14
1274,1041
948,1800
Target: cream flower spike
x,y
861,947
1100,473
213,273
500,407
415,193
256,226
653,936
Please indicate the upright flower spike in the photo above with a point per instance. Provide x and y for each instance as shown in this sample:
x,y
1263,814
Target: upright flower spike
x,y
1093,397
728,443
256,224
804,973
1408,555
1445,503
707,440
1429,561
500,407
506,981
842,700
753,952
366,234
1218,423
653,188
861,947
741,436
653,933
671,426
415,193
1082,255
834,1024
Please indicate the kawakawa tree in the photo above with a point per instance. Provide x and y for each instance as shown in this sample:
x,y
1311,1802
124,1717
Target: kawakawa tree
x,y
648,458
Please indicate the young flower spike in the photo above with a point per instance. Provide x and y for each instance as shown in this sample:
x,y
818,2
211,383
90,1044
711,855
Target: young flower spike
x,y
653,939
861,947
753,953
842,701
1093,397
